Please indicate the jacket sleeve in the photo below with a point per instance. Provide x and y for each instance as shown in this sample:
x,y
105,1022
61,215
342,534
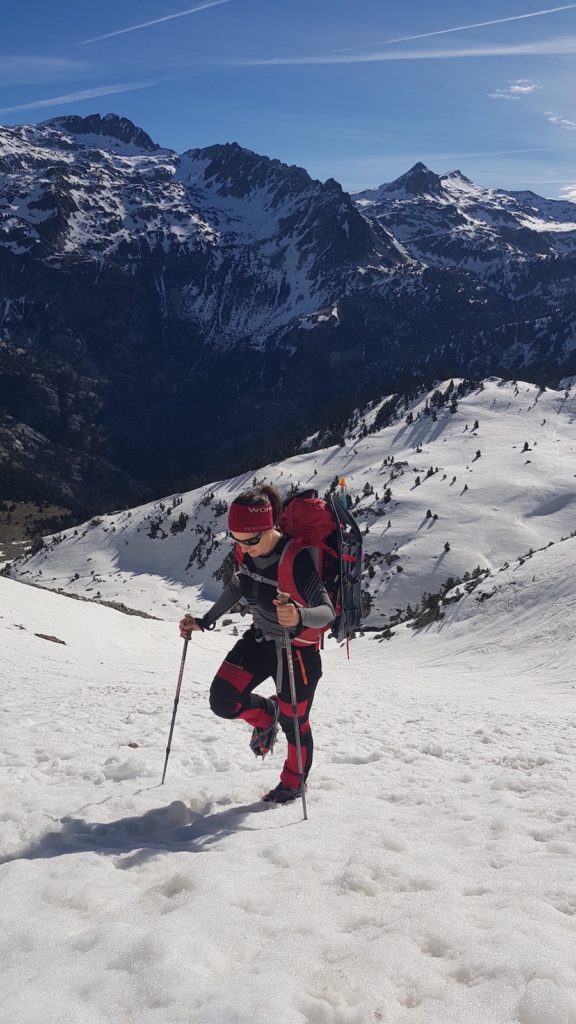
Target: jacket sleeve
x,y
319,611
230,596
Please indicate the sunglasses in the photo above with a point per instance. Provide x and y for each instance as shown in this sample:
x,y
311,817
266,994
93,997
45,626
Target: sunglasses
x,y
250,543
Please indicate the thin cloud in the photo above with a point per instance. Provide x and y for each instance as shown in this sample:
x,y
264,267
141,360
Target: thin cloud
x,y
459,28
156,21
569,192
561,122
499,152
76,97
516,91
564,46
543,181
15,70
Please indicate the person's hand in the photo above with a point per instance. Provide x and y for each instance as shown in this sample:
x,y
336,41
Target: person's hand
x,y
189,625
287,612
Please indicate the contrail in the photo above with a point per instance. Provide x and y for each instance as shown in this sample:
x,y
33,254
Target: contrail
x,y
458,28
546,47
497,152
156,21
85,94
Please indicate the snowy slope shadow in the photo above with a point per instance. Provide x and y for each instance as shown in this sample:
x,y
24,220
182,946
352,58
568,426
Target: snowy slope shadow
x,y
175,827
550,508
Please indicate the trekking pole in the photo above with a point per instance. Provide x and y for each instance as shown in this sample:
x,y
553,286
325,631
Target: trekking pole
x,y
288,646
176,699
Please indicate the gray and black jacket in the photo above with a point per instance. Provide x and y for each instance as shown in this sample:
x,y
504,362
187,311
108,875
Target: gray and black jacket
x,y
256,582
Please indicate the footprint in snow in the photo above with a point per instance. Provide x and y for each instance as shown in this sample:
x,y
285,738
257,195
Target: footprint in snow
x,y
565,902
356,758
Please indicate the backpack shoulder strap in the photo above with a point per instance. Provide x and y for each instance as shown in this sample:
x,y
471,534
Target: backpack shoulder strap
x,y
286,581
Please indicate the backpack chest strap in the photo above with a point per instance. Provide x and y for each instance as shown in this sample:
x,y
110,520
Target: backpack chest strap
x,y
285,582
256,576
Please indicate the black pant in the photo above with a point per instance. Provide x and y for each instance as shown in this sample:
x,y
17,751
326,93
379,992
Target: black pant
x,y
248,664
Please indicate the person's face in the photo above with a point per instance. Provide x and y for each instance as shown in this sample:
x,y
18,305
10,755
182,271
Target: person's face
x,y
255,543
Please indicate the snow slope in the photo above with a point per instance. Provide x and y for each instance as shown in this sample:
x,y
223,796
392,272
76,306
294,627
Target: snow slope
x,y
490,508
432,884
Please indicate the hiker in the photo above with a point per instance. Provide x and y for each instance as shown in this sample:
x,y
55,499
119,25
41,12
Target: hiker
x,y
253,519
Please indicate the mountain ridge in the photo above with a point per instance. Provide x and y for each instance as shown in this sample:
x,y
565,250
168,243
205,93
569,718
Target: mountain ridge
x,y
163,288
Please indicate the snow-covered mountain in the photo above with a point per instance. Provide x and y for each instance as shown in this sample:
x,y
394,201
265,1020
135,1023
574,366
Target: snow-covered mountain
x,y
165,315
139,288
463,481
447,220
433,882
262,236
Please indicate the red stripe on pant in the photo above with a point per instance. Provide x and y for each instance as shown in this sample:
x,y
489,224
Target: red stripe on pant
x,y
256,717
286,708
240,680
238,677
289,774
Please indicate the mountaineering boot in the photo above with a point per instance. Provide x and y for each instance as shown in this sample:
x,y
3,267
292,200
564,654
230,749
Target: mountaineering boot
x,y
282,794
263,739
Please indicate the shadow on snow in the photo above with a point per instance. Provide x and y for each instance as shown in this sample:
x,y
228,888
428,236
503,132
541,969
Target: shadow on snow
x,y
171,828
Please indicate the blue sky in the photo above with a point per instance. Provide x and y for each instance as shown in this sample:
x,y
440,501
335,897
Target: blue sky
x,y
358,90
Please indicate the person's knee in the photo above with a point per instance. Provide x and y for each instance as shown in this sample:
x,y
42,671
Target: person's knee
x,y
287,725
221,703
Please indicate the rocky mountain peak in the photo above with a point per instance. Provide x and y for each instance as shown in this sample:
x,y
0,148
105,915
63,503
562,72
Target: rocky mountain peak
x,y
238,171
419,180
456,176
108,132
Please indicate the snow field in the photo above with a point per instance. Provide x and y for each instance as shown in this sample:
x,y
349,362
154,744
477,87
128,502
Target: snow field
x,y
433,882
515,501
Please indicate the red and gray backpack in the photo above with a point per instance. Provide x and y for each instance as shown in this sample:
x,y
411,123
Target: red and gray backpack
x,y
330,533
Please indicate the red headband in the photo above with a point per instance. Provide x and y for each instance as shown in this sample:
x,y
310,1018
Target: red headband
x,y
250,518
